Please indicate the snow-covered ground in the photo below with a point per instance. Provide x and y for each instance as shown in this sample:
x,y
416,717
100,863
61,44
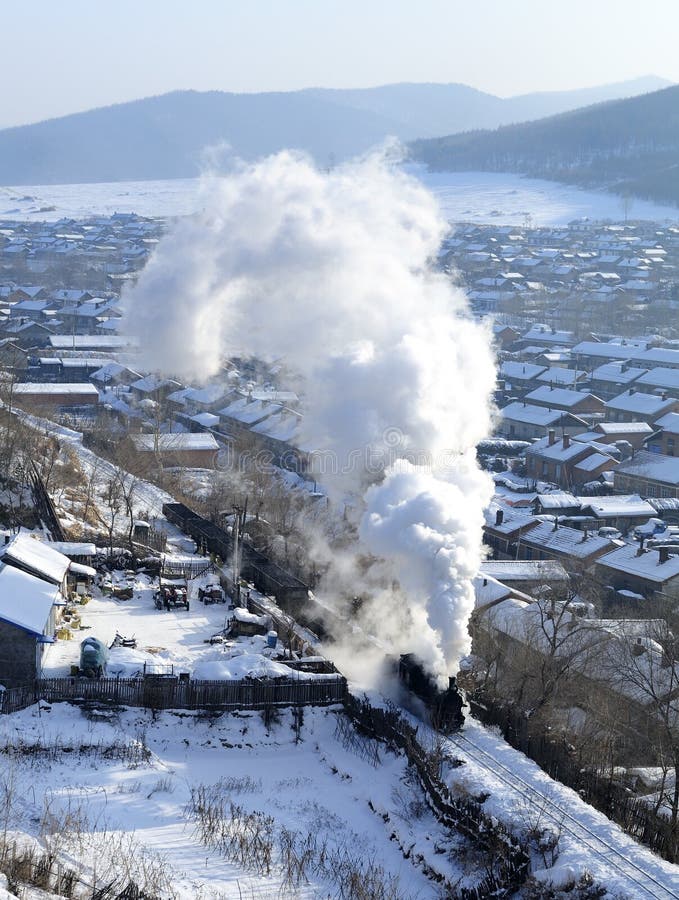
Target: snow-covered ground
x,y
483,197
313,786
521,793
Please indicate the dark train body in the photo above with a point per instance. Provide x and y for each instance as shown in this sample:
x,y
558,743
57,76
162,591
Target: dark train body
x,y
291,594
445,706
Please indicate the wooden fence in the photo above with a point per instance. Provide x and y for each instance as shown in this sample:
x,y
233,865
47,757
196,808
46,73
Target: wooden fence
x,y
507,856
172,693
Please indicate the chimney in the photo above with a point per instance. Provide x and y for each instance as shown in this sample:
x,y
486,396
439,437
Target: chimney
x,y
585,535
566,441
499,516
556,523
631,391
641,551
485,582
663,555
552,436
663,396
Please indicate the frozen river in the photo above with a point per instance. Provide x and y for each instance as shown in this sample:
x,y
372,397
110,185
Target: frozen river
x,y
464,196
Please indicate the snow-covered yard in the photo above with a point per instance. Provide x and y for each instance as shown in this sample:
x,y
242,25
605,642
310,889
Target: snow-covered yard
x,y
168,641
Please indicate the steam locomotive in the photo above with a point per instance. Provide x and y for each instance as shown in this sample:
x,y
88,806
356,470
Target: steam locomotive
x,y
445,706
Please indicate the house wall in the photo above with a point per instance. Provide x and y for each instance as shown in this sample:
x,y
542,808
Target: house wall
x,y
39,400
666,443
627,483
624,581
17,655
193,459
522,431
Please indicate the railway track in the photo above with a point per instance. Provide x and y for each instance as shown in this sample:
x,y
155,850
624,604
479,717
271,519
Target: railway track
x,y
643,883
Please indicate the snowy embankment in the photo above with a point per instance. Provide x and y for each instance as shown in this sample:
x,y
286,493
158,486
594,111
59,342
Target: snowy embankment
x,y
146,495
522,795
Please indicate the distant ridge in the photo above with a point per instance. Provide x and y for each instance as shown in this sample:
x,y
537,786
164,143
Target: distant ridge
x,y
165,136
629,147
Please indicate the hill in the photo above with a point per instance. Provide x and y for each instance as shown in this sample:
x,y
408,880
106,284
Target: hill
x,y
429,110
630,147
165,136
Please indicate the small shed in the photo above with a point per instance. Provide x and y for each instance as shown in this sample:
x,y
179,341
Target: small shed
x,y
29,608
245,624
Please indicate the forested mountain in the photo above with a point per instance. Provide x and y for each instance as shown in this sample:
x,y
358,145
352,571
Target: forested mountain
x,y
429,110
166,136
627,146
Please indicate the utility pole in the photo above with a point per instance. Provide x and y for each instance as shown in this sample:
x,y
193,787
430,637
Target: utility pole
x,y
236,554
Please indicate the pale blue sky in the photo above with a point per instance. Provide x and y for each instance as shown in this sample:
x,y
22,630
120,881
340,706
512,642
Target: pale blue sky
x,y
61,56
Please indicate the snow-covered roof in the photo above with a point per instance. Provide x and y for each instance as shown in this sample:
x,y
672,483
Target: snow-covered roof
x,y
638,402
606,351
90,341
669,423
634,560
211,393
518,371
287,397
618,506
110,370
150,383
206,419
249,412
509,570
40,387
558,396
623,427
658,356
569,541
594,461
532,415
661,377
25,600
652,465
544,334
283,426
557,500
488,590
169,443
30,553
561,450
559,375
617,373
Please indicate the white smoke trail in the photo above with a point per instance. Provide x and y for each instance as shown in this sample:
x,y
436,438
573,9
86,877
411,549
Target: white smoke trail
x,y
331,271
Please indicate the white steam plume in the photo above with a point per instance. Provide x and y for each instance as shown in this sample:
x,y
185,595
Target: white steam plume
x,y
331,271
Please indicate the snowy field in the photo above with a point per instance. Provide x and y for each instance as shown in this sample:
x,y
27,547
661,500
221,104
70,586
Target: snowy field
x,y
304,780
70,773
491,198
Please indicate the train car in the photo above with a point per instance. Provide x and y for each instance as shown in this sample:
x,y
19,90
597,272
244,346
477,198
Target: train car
x,y
445,706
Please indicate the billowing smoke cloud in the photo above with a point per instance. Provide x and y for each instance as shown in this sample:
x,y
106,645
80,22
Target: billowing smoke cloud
x,y
332,272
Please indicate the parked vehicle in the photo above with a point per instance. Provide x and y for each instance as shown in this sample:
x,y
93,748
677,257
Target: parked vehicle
x,y
171,594
212,593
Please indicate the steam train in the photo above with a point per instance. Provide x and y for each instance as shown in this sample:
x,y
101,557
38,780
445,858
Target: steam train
x,y
444,706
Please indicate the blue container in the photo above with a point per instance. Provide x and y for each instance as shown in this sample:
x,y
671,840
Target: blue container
x,y
271,639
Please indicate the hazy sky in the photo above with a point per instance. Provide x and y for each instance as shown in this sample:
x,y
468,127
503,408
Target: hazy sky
x,y
70,55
